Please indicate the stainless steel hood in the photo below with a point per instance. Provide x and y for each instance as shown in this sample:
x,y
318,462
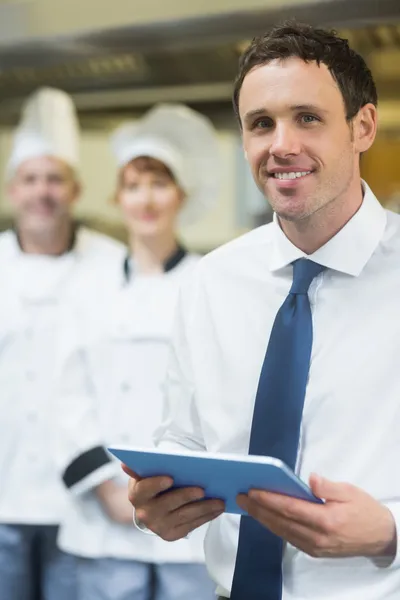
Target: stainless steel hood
x,y
191,60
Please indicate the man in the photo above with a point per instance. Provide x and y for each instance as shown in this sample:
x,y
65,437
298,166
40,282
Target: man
x,y
48,265
318,289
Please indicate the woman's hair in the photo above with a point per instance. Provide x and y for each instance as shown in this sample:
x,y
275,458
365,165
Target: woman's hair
x,y
144,164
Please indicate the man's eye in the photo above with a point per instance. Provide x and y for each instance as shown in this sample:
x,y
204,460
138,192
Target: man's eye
x,y
309,118
262,124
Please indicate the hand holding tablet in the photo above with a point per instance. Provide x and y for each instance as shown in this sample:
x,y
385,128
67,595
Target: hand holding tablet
x,y
221,476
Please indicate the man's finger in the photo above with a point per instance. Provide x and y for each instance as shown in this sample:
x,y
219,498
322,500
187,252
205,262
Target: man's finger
x,y
300,511
129,472
183,530
197,510
298,534
177,508
331,490
159,507
144,490
276,506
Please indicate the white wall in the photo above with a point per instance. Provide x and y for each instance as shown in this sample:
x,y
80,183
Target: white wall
x,y
55,17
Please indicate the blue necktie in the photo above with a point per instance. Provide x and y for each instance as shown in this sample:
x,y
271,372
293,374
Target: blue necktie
x,y
275,430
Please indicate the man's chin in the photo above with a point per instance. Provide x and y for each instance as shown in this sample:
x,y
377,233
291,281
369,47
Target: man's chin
x,y
38,225
292,216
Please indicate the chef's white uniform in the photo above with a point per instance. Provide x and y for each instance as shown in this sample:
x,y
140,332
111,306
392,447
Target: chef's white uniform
x,y
112,386
37,293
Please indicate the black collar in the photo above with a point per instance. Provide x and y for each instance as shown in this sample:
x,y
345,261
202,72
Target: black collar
x,y
71,243
171,262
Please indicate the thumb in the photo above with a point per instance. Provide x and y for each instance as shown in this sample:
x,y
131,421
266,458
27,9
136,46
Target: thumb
x,y
329,490
129,472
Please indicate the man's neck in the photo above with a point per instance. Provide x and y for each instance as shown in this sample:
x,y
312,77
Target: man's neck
x,y
312,233
150,255
56,242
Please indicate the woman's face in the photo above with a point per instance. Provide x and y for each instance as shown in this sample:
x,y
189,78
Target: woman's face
x,y
149,198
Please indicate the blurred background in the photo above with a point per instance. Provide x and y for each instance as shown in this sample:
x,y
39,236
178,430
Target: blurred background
x,y
118,58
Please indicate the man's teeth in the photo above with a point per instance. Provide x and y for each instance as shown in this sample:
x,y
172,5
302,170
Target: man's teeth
x,y
291,175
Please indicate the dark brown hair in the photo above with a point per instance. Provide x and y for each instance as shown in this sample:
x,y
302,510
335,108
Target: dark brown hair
x,y
143,164
148,164
292,39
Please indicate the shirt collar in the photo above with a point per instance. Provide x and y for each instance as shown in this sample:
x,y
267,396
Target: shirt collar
x,y
72,243
171,262
348,251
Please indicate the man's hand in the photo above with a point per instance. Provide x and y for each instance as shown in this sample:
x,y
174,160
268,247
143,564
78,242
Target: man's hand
x,y
114,500
350,523
170,514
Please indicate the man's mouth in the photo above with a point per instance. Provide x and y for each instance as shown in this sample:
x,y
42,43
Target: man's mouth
x,y
291,174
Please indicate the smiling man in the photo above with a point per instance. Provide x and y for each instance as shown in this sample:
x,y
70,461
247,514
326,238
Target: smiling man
x,y
287,340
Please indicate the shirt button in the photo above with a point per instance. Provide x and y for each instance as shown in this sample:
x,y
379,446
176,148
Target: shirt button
x,y
30,375
125,387
32,417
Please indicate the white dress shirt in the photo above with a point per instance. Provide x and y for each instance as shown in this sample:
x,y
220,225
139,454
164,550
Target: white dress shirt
x,y
37,291
351,421
110,393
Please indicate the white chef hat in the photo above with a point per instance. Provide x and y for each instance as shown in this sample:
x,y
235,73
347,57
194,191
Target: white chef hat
x,y
186,142
48,127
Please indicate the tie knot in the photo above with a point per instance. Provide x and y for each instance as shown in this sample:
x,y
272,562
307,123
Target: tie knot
x,y
304,272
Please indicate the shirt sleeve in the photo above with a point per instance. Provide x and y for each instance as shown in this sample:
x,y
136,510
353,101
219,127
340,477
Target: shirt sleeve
x,y
80,454
389,562
181,427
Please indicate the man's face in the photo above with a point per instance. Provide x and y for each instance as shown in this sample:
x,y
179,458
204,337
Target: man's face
x,y
42,192
302,151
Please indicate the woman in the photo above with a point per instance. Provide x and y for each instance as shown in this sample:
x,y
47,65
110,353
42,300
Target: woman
x,y
110,384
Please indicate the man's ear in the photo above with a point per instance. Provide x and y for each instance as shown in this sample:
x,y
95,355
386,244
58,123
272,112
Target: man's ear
x,y
76,190
364,127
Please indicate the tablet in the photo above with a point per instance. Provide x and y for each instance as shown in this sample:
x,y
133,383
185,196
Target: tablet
x,y
221,476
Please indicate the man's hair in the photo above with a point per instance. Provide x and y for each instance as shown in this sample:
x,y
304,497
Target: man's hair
x,y
292,39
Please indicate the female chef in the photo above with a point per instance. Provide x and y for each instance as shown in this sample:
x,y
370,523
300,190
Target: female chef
x,y
110,388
